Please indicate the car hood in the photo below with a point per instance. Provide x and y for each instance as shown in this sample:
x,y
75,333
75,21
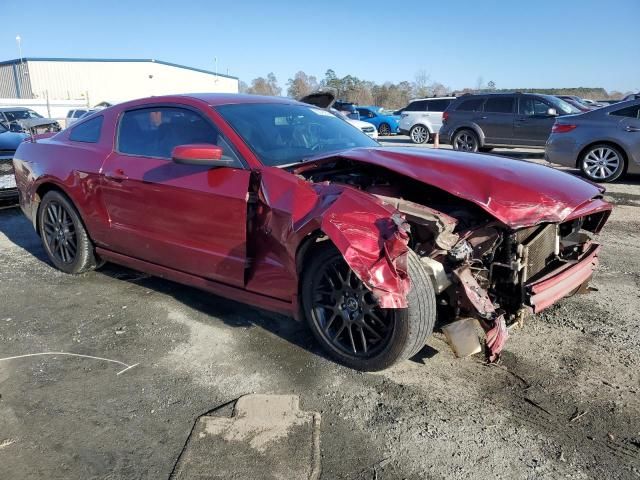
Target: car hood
x,y
11,140
515,192
319,99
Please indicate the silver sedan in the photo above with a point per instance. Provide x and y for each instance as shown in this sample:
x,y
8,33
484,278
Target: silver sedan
x,y
603,143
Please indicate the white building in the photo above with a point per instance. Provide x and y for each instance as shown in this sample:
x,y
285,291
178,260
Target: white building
x,y
93,80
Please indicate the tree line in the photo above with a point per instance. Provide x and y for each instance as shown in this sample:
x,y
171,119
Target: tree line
x,y
394,95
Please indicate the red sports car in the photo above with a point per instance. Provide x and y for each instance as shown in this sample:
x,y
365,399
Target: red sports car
x,y
284,206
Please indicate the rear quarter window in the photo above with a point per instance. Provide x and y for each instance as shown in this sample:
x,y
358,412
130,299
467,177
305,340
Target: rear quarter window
x,y
87,132
438,105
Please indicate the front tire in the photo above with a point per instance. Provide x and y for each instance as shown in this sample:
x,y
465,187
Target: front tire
x,y
465,140
345,317
419,134
602,163
64,238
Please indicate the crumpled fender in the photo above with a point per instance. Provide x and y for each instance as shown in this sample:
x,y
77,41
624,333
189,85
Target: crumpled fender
x,y
374,242
371,235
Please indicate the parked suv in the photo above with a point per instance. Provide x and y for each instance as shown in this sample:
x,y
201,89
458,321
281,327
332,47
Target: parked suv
x,y
480,122
423,117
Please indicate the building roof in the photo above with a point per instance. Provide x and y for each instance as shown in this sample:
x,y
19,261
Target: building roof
x,y
16,61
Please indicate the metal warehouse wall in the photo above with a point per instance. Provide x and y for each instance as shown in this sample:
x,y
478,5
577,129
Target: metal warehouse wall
x,y
10,76
119,81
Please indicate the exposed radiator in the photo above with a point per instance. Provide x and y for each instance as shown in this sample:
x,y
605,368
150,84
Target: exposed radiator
x,y
540,248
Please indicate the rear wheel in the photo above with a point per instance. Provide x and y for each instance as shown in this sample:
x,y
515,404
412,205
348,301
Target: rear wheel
x,y
465,141
384,129
419,134
64,237
602,163
347,321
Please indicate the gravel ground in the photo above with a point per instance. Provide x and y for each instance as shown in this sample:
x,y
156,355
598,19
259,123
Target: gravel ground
x,y
563,403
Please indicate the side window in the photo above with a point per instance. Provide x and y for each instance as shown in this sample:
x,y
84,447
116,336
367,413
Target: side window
x,y
471,105
156,131
632,112
438,105
87,132
501,104
364,113
78,113
419,106
531,106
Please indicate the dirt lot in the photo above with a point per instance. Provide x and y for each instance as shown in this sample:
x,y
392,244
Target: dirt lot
x,y
564,402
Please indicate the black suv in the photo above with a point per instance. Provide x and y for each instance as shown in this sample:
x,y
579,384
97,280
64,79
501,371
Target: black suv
x,y
480,122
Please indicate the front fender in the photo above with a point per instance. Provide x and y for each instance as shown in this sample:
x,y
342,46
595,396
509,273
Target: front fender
x,y
373,240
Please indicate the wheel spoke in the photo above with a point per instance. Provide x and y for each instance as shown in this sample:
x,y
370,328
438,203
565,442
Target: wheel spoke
x,y
353,342
371,331
363,338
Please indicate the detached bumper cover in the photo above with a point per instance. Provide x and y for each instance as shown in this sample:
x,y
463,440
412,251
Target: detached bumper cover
x,y
561,282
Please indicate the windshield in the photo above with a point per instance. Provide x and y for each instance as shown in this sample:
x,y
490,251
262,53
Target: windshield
x,y
562,106
3,128
21,115
281,134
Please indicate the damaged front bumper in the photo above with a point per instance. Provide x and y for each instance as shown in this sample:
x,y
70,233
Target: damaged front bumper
x,y
563,281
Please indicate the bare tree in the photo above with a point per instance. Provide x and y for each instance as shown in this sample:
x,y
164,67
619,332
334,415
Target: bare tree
x,y
265,86
480,83
421,84
242,87
301,84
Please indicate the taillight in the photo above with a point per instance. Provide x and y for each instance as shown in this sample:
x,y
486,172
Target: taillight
x,y
445,117
562,128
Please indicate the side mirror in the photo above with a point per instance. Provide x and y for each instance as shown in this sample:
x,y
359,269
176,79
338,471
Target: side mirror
x,y
552,112
200,154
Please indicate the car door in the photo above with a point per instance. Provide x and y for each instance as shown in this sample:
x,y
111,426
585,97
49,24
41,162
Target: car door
x,y
533,123
497,119
186,217
629,130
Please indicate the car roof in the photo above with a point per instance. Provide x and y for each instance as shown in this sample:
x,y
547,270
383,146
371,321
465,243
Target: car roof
x,y
213,99
14,109
431,98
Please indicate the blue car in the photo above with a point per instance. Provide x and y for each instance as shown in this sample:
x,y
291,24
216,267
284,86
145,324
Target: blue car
x,y
386,122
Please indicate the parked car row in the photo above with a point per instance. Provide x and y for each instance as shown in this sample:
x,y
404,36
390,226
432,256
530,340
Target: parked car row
x,y
604,147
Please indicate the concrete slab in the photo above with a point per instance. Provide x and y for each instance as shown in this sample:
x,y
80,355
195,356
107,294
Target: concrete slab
x,y
267,437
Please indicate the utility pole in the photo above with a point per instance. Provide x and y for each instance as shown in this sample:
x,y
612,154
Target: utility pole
x,y
19,77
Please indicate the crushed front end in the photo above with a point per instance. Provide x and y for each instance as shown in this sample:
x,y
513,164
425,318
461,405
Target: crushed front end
x,y
481,266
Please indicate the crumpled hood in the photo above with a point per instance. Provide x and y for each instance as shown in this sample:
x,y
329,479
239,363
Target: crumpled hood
x,y
517,193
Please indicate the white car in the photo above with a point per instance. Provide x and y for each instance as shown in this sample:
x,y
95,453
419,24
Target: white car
x,y
368,128
422,118
325,100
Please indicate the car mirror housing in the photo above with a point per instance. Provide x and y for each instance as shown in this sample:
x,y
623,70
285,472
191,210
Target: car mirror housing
x,y
552,112
200,154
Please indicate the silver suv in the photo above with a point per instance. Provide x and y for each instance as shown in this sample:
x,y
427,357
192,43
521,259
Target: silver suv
x,y
480,122
423,117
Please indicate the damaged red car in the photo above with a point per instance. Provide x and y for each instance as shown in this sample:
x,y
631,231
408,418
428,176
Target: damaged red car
x,y
286,207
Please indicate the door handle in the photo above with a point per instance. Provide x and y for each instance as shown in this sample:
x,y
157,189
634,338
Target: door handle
x,y
117,175
629,128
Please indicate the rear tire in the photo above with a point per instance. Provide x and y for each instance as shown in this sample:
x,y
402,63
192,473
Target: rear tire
x,y
419,134
345,319
384,129
64,238
602,163
465,140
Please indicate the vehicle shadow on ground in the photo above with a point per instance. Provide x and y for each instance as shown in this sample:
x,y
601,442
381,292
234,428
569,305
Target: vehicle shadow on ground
x,y
15,226
230,312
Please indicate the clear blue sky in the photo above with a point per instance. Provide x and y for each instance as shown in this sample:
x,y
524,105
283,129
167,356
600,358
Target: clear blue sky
x,y
561,43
